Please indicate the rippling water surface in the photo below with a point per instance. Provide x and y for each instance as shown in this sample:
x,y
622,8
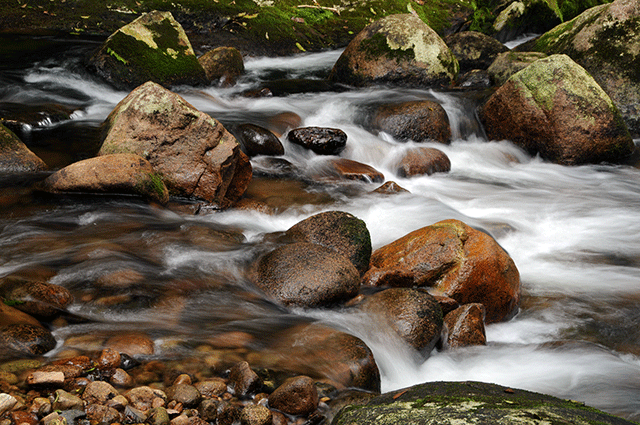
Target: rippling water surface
x,y
573,233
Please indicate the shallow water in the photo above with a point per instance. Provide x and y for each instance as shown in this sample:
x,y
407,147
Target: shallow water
x,y
572,232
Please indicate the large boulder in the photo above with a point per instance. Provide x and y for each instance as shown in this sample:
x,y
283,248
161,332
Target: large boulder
x,y
112,174
555,108
397,49
473,49
418,120
223,65
508,63
605,40
195,155
15,156
455,259
470,403
525,16
153,47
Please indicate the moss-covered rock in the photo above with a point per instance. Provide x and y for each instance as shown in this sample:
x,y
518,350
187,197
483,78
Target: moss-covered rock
x,y
508,63
473,49
223,65
154,47
470,403
15,157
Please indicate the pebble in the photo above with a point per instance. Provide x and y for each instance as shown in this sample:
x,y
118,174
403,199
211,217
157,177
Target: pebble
x,y
45,378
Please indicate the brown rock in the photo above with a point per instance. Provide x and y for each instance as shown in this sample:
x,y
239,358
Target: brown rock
x,y
69,371
99,414
15,157
185,394
256,140
45,378
321,140
193,152
23,418
243,381
133,344
284,121
145,398
223,65
255,415
98,392
421,161
25,339
120,378
12,316
33,297
473,49
390,188
354,170
307,274
457,260
466,326
66,401
109,360
211,387
296,396
420,121
508,63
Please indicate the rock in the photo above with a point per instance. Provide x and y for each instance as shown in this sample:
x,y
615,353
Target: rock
x,y
475,79
45,378
7,402
66,401
243,381
120,378
296,396
228,414
390,188
195,155
605,40
413,314
158,416
208,409
133,344
457,260
419,121
154,47
423,161
508,63
474,50
211,387
321,140
99,414
339,231
465,326
255,415
222,65
347,169
145,398
23,418
25,339
114,174
109,360
15,157
553,107
306,274
33,297
186,394
134,416
470,402
12,316
397,49
255,140
98,392
525,16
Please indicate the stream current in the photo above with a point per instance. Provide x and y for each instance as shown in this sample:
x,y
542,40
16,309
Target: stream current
x,y
573,233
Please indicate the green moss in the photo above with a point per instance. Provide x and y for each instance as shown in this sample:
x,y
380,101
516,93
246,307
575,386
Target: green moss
x,y
377,46
154,187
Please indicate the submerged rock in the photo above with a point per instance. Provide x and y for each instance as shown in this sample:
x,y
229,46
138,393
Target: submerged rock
x,y
296,396
398,49
153,47
25,340
555,108
348,169
40,299
419,121
15,157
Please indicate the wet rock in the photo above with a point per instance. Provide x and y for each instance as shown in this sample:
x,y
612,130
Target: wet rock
x,y
413,314
255,415
109,360
339,231
475,79
23,418
154,47
211,387
133,415
347,169
33,297
296,396
390,188
11,316
419,121
473,49
120,378
306,274
508,63
186,394
158,416
145,398
133,344
228,414
25,339
321,140
457,260
196,156
116,174
243,380
98,392
282,122
553,107
397,49
40,406
465,326
208,410
423,161
256,140
66,401
447,304
99,414
525,16
222,65
15,157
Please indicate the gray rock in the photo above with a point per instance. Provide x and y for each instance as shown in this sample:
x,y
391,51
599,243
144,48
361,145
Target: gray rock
x,y
15,157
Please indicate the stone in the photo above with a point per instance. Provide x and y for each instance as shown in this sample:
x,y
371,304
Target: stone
x,y
186,394
37,298
255,415
390,188
243,381
418,121
475,79
133,415
321,140
23,418
296,396
339,231
413,314
307,275
7,401
211,387
145,398
348,169
15,156
525,16
555,108
153,47
109,360
457,261
423,161
25,339
133,344
120,378
12,316
195,155
98,392
508,63
222,65
255,140
99,414
158,416
474,50
45,378
465,326
66,401
397,49
111,174
208,409
228,414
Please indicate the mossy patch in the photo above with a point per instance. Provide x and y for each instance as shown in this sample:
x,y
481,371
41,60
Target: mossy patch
x,y
378,46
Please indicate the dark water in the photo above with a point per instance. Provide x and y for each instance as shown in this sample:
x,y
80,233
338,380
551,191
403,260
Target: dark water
x,y
572,232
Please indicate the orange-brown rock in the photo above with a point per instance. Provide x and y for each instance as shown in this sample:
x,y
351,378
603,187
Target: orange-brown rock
x,y
222,65
418,120
423,161
348,169
465,326
15,156
457,260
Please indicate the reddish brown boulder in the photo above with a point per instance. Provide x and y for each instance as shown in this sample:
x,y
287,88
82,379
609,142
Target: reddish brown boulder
x,y
222,65
423,161
465,326
390,188
296,396
459,261
20,339
195,155
348,169
419,120
243,381
40,299
15,157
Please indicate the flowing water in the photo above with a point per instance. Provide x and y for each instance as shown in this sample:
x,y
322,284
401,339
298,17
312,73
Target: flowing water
x,y
573,233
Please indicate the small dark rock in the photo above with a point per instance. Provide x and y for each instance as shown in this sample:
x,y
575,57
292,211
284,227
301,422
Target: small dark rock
x,y
323,141
255,140
296,396
243,381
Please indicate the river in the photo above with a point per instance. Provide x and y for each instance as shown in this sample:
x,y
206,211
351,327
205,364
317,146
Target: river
x,y
573,233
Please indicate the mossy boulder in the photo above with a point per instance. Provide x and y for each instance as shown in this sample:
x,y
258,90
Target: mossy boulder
x,y
470,403
15,156
508,63
154,47
555,108
399,50
526,16
473,49
223,65
605,40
